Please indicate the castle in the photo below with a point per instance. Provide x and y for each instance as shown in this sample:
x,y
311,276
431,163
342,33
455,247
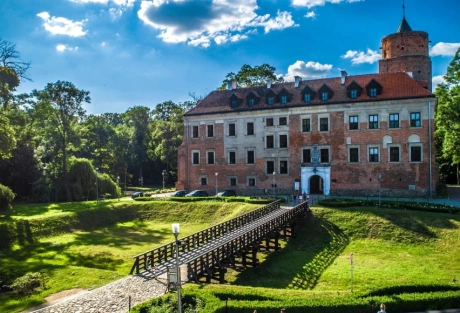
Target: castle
x,y
347,135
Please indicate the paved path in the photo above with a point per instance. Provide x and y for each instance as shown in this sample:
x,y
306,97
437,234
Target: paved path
x,y
115,297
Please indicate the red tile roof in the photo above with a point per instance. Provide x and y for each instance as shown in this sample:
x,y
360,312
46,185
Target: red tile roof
x,y
394,86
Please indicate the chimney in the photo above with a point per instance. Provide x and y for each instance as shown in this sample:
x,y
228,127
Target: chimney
x,y
231,85
269,84
344,76
298,79
410,74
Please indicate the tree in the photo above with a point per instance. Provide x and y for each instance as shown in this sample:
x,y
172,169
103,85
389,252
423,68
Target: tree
x,y
7,139
249,76
10,57
447,116
61,103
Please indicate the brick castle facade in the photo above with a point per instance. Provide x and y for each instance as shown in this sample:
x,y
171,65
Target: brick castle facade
x,y
344,135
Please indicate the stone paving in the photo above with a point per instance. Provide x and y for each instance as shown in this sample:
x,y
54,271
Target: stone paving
x,y
112,298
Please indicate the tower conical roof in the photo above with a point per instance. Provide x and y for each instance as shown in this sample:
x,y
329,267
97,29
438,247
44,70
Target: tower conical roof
x,y
404,26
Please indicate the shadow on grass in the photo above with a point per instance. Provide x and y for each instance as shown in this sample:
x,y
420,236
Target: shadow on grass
x,y
300,264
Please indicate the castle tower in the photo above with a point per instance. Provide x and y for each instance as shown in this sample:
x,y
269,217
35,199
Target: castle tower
x,y
407,51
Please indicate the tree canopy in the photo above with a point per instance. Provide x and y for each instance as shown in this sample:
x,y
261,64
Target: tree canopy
x,y
249,76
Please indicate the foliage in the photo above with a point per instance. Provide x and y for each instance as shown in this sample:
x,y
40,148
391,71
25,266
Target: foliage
x,y
7,139
249,76
447,117
10,57
26,284
6,197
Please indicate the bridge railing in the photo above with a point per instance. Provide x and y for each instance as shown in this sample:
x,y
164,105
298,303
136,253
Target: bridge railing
x,y
152,258
204,263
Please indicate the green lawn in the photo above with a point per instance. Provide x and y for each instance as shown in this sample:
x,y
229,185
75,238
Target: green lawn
x,y
88,259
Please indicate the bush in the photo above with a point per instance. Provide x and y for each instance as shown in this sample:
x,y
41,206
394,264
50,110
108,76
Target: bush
x,y
6,197
26,284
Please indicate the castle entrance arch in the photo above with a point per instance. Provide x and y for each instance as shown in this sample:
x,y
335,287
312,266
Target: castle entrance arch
x,y
316,185
315,179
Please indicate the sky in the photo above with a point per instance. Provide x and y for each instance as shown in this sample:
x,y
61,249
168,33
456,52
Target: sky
x,y
133,52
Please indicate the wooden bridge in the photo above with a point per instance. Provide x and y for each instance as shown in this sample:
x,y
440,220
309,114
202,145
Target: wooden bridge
x,y
209,252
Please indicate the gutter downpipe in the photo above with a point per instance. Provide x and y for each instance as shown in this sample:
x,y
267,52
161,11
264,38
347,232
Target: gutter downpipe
x,y
429,147
187,133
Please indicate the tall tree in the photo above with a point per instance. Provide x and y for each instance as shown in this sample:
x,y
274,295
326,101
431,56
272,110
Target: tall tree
x,y
249,76
448,116
62,104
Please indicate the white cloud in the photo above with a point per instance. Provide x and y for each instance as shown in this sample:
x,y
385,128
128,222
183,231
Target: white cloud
x,y
90,1
199,23
103,44
128,3
62,26
115,12
370,56
437,80
63,48
313,3
445,49
309,70
311,15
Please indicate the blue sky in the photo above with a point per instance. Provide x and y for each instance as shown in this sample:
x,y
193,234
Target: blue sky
x,y
133,52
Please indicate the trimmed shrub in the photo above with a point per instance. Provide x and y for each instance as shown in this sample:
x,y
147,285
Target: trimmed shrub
x,y
26,284
6,197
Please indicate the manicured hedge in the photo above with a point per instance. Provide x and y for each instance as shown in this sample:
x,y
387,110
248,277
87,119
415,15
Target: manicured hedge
x,y
6,197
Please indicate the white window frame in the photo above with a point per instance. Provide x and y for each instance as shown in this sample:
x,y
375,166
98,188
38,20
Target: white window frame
x,y
253,128
349,154
228,156
230,181
415,144
199,157
279,166
399,120
279,121
301,125
228,129
247,151
410,120
273,121
320,116
213,131
198,132
266,141
328,154
369,121
369,155
251,177
207,160
393,145
201,179
279,141
266,167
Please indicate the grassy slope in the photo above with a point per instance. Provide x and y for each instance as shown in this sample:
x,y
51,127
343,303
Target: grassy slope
x,y
87,259
390,247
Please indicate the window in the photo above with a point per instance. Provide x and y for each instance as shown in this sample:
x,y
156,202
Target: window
x,y
324,96
210,129
306,156
232,181
251,182
231,129
323,124
195,131
394,120
271,100
195,157
353,122
283,167
283,99
373,92
415,154
394,154
269,121
250,157
306,125
282,121
234,103
204,181
415,119
251,102
354,94
270,139
324,155
373,154
373,121
270,167
210,157
250,128
353,154
283,141
307,97
232,157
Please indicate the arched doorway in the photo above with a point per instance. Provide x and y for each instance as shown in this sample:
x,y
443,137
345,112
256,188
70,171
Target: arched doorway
x,y
316,185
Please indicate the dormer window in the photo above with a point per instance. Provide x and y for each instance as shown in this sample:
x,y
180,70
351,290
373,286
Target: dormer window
x,y
325,92
307,97
354,90
251,99
234,101
284,96
308,94
353,94
234,104
251,102
373,89
271,100
270,97
283,99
